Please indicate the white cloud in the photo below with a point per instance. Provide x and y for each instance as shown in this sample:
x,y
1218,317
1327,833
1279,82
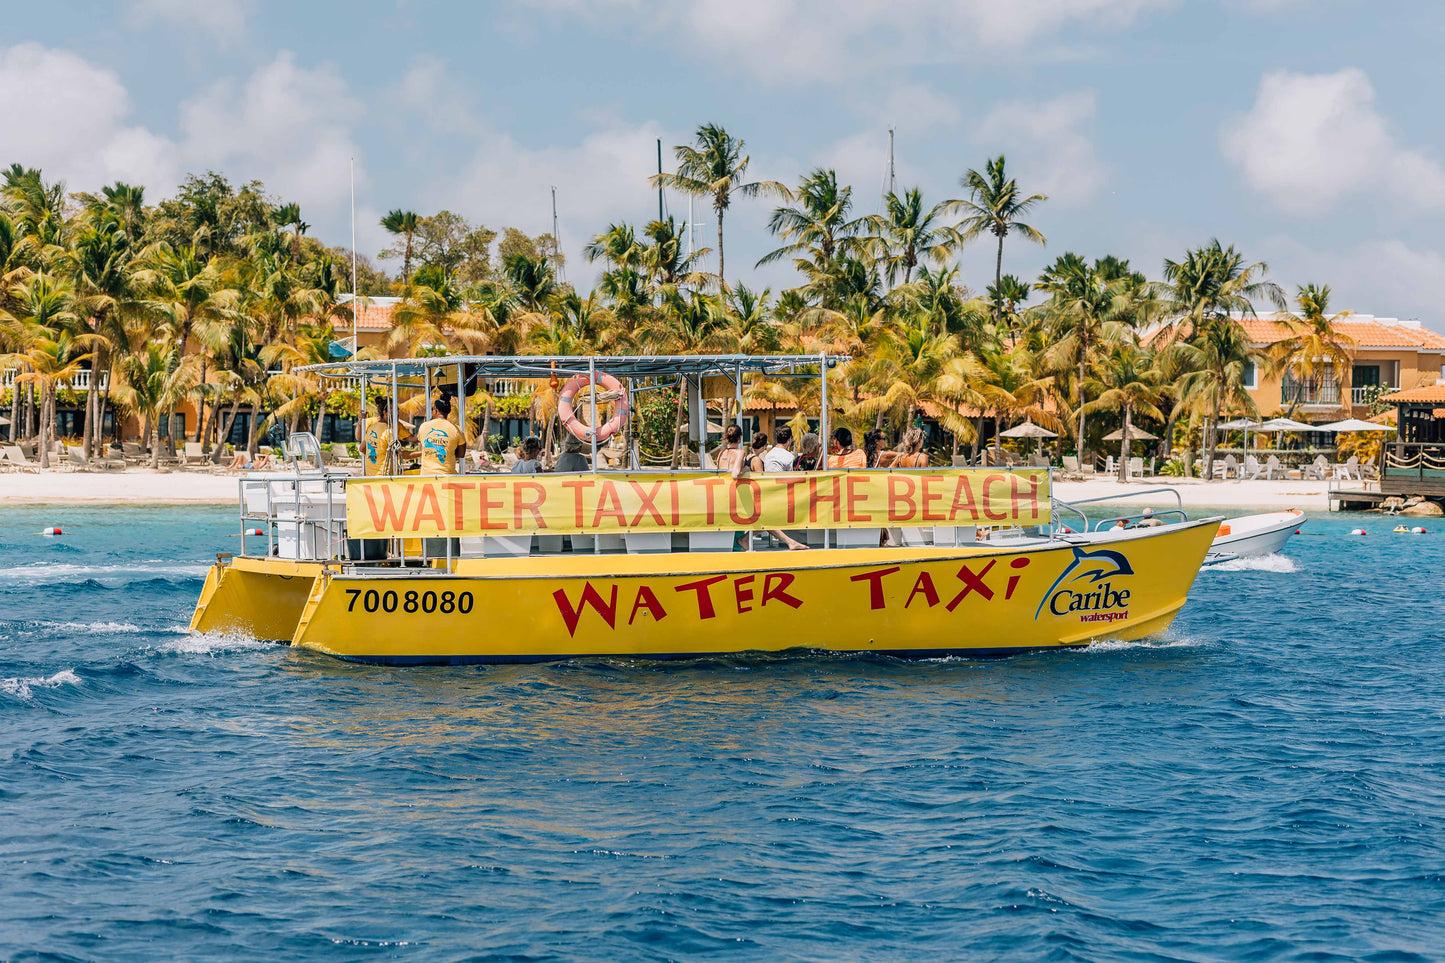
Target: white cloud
x,y
225,20
68,118
287,125
1055,155
1312,139
832,42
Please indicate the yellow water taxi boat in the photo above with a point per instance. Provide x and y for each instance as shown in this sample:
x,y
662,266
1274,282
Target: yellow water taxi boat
x,y
502,568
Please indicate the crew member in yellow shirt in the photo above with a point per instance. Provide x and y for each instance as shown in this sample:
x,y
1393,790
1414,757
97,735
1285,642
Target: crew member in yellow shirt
x,y
376,441
441,441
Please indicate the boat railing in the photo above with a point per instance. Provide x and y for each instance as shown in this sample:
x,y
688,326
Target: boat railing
x,y
300,514
1131,520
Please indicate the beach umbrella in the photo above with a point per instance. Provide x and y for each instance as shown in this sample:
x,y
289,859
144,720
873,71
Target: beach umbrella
x,y
1283,424
1027,430
1353,424
1237,424
1135,434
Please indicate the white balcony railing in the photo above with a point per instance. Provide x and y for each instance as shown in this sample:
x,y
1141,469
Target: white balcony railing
x,y
81,381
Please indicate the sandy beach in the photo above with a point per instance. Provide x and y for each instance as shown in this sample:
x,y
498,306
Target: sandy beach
x,y
141,486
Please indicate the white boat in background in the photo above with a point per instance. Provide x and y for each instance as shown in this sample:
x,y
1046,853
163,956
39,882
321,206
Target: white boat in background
x,y
1251,536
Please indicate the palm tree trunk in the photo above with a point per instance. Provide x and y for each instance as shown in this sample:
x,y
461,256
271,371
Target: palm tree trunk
x,y
92,399
201,402
998,286
44,427
15,404
218,450
1124,444
977,437
1079,441
155,423
677,423
720,282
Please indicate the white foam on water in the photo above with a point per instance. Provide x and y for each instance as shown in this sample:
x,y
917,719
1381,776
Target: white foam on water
x,y
1282,564
42,573
212,643
1120,645
21,686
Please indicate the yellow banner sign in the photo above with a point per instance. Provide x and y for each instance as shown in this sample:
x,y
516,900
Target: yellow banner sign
x,y
469,505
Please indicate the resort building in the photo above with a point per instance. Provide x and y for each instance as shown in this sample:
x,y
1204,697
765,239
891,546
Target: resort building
x,y
1389,354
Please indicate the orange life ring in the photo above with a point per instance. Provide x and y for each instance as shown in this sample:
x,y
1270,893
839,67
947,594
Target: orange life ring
x,y
577,426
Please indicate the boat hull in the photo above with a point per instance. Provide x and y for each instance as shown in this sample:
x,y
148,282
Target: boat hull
x,y
1256,535
261,597
920,602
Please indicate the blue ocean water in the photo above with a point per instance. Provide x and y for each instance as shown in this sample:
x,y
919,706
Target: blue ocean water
x,y
1263,783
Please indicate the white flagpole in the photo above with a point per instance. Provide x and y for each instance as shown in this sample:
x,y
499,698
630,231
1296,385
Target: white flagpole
x,y
355,339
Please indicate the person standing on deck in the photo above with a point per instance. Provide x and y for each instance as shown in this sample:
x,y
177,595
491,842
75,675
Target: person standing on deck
x,y
376,441
441,441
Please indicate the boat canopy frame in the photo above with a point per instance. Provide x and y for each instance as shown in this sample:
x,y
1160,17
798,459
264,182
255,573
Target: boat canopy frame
x,y
620,366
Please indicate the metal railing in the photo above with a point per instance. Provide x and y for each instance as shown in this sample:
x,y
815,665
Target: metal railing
x,y
80,381
1306,393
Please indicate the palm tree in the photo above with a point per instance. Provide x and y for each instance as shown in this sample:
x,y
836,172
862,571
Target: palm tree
x,y
1314,350
817,230
152,381
41,325
403,224
905,235
1013,388
1082,315
715,168
1219,357
919,367
1213,282
994,206
291,214
101,270
1126,379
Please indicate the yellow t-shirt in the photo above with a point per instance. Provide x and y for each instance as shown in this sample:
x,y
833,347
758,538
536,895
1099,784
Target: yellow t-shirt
x,y
376,447
439,440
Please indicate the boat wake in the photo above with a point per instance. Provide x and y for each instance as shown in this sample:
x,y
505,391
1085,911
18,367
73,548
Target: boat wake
x,y
212,643
50,573
21,630
1120,645
22,687
1263,563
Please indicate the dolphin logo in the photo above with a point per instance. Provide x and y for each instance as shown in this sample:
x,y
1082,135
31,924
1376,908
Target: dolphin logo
x,y
1096,565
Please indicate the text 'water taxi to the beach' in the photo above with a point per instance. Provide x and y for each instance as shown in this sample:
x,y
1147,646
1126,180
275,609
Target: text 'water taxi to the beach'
x,y
484,566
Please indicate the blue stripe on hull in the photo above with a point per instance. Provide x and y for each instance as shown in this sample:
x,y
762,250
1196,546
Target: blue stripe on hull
x,y
401,660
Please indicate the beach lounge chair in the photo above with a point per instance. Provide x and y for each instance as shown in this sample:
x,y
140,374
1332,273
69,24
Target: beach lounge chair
x,y
1273,469
75,454
1352,469
192,454
1070,463
1252,468
1317,468
14,457
1230,467
1038,461
341,456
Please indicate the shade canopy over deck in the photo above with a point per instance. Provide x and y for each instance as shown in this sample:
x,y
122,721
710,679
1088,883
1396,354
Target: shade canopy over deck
x,y
619,366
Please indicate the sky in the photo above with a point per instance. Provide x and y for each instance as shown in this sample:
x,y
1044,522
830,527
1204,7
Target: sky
x,y
1304,132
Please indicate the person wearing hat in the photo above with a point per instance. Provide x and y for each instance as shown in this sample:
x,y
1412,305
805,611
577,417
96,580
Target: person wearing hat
x,y
572,459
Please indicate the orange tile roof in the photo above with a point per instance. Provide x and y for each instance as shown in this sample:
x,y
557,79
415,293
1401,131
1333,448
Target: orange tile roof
x,y
1426,393
1367,334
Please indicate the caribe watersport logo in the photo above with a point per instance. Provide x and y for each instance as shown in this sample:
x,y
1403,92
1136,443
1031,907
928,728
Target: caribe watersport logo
x,y
1078,588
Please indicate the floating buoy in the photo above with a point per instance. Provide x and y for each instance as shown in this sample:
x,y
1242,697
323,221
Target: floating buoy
x,y
249,531
1418,530
1067,530
1356,531
50,532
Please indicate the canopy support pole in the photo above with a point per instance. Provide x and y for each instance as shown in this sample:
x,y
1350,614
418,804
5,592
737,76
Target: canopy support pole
x,y
823,420
462,416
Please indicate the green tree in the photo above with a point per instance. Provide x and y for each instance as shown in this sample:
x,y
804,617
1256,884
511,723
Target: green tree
x,y
905,235
1218,359
1126,379
994,206
403,224
715,167
1313,350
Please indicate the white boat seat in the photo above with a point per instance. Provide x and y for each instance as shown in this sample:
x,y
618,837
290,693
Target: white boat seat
x,y
710,541
857,537
951,536
648,543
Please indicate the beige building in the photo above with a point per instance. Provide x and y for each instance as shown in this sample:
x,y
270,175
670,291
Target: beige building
x,y
1389,354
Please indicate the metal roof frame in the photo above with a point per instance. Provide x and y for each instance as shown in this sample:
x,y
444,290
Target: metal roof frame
x,y
621,366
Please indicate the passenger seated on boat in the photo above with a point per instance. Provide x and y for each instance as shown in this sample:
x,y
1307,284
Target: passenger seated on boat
x,y
909,453
572,459
873,450
844,455
730,457
441,441
755,454
529,459
1149,521
780,457
808,451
